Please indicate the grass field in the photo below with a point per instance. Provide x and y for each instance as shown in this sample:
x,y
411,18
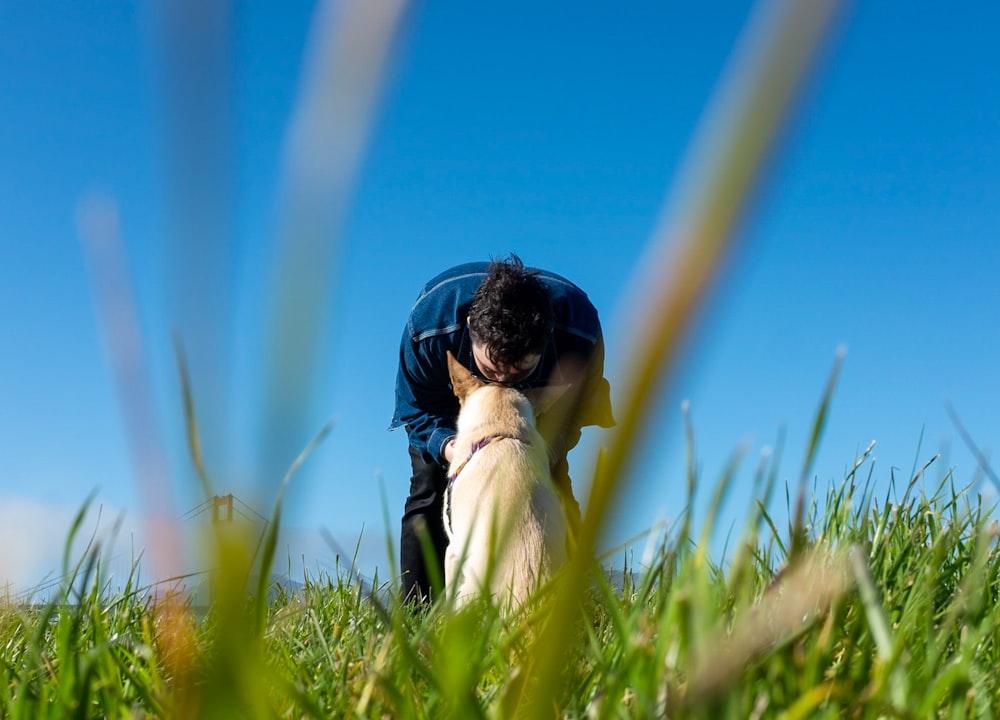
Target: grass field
x,y
864,607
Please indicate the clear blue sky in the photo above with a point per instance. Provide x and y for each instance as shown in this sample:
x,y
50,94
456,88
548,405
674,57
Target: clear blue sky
x,y
554,130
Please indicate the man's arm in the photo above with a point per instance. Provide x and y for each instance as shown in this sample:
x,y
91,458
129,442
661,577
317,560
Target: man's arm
x,y
587,403
425,404
590,404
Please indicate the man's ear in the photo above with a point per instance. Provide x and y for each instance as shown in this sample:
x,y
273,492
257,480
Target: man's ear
x,y
543,398
463,382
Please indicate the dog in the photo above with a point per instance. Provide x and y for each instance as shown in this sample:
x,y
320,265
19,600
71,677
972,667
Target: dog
x,y
506,527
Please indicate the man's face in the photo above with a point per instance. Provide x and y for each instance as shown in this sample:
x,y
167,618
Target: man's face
x,y
504,374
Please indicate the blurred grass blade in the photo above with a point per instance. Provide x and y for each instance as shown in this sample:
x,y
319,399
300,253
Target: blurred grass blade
x,y
738,132
346,58
803,593
191,421
740,128
195,51
99,226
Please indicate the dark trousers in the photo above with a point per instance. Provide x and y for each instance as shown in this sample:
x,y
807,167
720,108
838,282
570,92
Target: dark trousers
x,y
422,517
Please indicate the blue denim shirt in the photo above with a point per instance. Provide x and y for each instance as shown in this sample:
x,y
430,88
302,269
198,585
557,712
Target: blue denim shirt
x,y
425,403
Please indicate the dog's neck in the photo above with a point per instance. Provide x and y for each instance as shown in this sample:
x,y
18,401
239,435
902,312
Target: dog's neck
x,y
476,447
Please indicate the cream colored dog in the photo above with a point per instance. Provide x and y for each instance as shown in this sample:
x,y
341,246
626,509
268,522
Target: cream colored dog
x,y
505,523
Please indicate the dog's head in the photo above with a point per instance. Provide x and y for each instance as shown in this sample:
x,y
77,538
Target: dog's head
x,y
464,384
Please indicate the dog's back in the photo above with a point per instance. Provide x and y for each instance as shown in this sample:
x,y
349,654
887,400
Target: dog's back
x,y
507,527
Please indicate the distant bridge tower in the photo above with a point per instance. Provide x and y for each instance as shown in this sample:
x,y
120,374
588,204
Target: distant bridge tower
x,y
225,508
228,519
222,501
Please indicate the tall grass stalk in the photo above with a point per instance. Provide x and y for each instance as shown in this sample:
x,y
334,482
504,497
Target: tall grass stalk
x,y
737,135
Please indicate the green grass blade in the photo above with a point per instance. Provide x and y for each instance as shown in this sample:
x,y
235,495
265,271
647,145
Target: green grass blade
x,y
191,420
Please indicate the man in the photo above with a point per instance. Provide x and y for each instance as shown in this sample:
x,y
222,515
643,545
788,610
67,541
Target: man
x,y
508,324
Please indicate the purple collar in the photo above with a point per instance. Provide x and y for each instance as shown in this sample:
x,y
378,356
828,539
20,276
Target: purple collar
x,y
476,447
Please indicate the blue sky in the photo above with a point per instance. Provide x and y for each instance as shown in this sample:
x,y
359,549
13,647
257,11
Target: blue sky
x,y
553,130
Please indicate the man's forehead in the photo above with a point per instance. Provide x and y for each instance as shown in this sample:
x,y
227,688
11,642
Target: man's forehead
x,y
526,363
529,361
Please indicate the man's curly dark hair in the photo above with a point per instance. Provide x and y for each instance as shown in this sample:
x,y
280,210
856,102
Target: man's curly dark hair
x,y
511,314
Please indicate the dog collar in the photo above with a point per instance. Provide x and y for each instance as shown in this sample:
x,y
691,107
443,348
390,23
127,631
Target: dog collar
x,y
476,447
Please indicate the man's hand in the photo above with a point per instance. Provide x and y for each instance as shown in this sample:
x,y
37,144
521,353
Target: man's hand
x,y
449,451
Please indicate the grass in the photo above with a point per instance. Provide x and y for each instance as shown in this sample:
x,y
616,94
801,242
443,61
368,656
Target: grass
x,y
862,606
886,607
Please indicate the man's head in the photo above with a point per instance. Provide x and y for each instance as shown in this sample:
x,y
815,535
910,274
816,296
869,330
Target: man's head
x,y
510,321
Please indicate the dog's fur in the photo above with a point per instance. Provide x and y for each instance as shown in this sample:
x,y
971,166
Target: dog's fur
x,y
505,523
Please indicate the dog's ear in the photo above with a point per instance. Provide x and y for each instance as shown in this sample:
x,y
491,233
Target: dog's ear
x,y
543,398
463,381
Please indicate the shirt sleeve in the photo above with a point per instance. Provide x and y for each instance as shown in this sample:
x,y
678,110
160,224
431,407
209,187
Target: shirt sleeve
x,y
425,404
596,401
